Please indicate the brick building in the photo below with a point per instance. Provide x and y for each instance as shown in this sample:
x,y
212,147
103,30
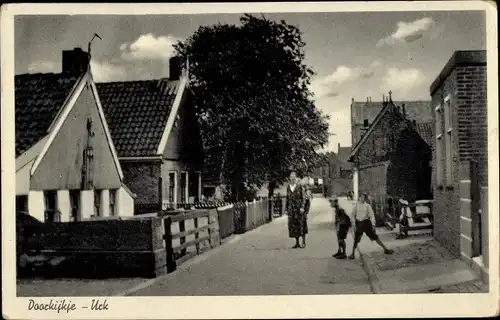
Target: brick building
x,y
157,138
336,174
393,157
363,113
459,106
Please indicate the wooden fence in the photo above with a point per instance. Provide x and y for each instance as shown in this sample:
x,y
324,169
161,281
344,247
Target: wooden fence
x,y
146,245
226,220
190,239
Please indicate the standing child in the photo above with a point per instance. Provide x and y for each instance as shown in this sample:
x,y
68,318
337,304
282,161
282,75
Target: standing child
x,y
342,225
364,222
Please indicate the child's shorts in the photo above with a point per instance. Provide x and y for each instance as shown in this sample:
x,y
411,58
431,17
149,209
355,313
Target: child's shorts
x,y
364,227
342,232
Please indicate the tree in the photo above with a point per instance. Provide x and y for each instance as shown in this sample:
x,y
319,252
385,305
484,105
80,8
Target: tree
x,y
250,86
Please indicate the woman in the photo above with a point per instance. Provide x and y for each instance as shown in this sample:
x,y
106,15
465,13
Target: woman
x,y
295,208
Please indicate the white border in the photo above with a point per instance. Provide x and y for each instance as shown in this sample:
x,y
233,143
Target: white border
x,y
255,306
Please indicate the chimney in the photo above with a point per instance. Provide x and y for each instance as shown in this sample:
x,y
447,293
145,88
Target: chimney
x,y
404,110
175,69
338,148
75,61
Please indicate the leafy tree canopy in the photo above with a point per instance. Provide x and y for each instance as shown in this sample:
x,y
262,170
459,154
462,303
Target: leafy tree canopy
x,y
256,113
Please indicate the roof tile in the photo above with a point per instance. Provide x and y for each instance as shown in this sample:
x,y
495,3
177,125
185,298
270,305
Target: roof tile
x,y
38,99
419,111
425,131
137,112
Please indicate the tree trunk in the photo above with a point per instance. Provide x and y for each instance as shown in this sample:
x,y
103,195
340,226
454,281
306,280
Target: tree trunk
x,y
271,187
238,189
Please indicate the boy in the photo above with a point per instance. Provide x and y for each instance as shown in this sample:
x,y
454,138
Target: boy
x,y
342,225
364,222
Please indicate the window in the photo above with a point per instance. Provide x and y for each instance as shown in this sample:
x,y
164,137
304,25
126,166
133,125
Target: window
x,y
171,187
74,199
112,203
439,145
50,197
22,203
97,203
183,189
448,141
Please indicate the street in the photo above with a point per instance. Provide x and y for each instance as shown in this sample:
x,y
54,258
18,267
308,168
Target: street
x,y
262,262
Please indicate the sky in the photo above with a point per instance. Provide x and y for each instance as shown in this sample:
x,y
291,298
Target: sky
x,y
354,55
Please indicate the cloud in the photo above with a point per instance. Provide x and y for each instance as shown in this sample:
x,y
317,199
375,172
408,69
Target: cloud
x,y
341,75
149,47
43,67
368,75
333,94
407,32
328,86
375,64
402,81
107,72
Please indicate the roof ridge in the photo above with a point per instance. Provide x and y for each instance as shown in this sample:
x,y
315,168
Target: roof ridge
x,y
141,80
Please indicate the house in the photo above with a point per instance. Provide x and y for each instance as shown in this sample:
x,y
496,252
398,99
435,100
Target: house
x,y
392,158
337,174
459,106
65,158
155,130
363,114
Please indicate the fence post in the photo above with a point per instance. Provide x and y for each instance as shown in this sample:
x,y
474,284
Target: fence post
x,y
182,240
196,235
270,208
171,265
475,207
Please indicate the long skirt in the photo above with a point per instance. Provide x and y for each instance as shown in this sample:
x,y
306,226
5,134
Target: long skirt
x,y
297,225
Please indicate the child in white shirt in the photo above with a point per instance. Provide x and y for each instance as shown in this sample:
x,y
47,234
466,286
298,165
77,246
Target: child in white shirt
x,y
364,222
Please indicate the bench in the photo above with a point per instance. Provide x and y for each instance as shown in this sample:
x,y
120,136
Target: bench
x,y
415,216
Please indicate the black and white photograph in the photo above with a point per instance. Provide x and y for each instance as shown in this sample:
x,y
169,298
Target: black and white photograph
x,y
265,160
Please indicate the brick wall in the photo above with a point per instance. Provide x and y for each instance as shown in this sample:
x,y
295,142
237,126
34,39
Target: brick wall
x,y
446,199
472,117
142,179
466,86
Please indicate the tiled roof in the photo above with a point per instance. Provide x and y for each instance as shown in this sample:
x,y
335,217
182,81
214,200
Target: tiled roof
x,y
137,112
38,99
420,111
425,131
